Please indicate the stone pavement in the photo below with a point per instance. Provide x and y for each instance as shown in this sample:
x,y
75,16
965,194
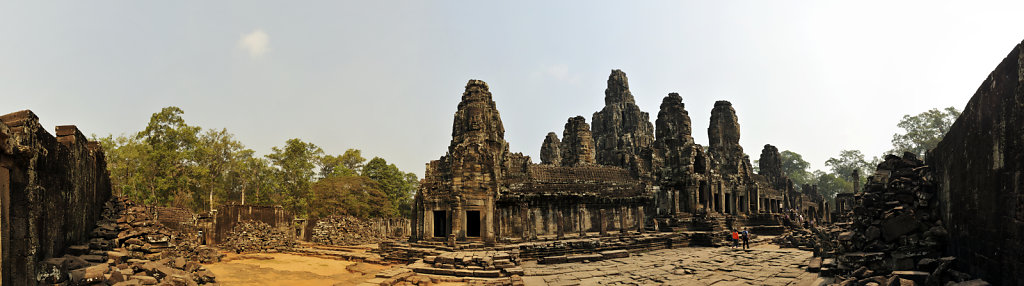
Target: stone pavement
x,y
765,265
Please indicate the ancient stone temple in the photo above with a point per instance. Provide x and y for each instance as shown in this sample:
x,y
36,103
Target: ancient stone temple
x,y
479,191
620,176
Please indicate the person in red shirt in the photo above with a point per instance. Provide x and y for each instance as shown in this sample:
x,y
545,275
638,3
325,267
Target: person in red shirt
x,y
735,238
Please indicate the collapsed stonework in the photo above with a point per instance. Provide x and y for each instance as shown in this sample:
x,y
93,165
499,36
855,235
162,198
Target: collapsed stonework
x,y
620,176
52,190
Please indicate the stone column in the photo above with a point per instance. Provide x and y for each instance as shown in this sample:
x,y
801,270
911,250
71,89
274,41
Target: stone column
x,y
581,217
458,216
533,225
856,181
640,219
674,200
559,227
602,218
622,219
488,221
524,217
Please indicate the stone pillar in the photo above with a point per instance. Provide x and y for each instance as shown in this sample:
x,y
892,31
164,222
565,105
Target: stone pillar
x,y
856,181
458,216
602,217
622,219
488,221
674,198
640,219
533,225
559,226
524,217
581,209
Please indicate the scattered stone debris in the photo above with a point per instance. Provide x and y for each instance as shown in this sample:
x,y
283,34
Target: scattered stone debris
x,y
349,230
257,236
129,247
895,236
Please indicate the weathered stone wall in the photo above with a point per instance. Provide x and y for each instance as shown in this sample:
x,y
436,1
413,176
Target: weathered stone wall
x,y
230,215
178,219
52,191
979,166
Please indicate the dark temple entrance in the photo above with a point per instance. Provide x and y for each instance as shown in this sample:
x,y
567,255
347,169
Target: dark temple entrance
x,y
440,224
473,223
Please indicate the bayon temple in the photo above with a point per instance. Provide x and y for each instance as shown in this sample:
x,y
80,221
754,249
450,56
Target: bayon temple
x,y
619,174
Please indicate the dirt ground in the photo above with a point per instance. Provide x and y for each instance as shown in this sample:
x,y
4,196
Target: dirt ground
x,y
289,269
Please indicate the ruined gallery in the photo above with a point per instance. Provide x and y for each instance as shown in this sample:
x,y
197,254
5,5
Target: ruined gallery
x,y
621,175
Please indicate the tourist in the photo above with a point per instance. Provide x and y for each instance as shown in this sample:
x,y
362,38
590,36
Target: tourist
x,y
735,239
746,239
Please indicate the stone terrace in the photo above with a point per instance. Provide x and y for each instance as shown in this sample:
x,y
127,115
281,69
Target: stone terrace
x,y
682,266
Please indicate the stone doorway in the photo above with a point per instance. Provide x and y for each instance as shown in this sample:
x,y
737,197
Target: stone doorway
x,y
473,223
440,224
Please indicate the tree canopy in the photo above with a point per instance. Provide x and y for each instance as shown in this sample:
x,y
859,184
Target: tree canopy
x,y
172,163
923,131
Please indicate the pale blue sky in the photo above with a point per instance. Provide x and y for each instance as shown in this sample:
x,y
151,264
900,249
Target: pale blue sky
x,y
814,77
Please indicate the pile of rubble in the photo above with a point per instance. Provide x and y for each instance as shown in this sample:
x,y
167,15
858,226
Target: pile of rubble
x,y
345,230
257,236
797,238
129,247
895,230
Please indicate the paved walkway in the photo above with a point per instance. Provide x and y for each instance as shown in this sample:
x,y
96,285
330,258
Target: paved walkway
x,y
765,265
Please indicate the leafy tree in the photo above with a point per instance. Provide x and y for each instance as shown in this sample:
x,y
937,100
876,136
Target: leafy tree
x,y
296,163
923,131
170,144
348,164
397,185
848,161
830,184
794,166
350,195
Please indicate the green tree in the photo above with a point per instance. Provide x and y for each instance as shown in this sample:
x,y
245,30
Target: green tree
x,y
923,131
350,195
216,159
296,165
397,185
349,164
794,166
847,162
170,144
829,184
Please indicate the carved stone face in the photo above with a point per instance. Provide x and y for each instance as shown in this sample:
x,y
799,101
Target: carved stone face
x,y
476,119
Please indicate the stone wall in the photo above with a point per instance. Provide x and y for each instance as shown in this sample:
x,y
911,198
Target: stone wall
x,y
52,191
979,166
230,215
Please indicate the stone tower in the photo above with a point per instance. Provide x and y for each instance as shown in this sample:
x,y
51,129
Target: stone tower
x,y
622,133
577,143
724,136
770,166
550,153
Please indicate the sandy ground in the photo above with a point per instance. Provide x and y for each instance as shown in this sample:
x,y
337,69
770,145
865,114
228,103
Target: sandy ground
x,y
290,269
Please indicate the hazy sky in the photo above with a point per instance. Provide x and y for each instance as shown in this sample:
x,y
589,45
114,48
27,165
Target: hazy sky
x,y
814,77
